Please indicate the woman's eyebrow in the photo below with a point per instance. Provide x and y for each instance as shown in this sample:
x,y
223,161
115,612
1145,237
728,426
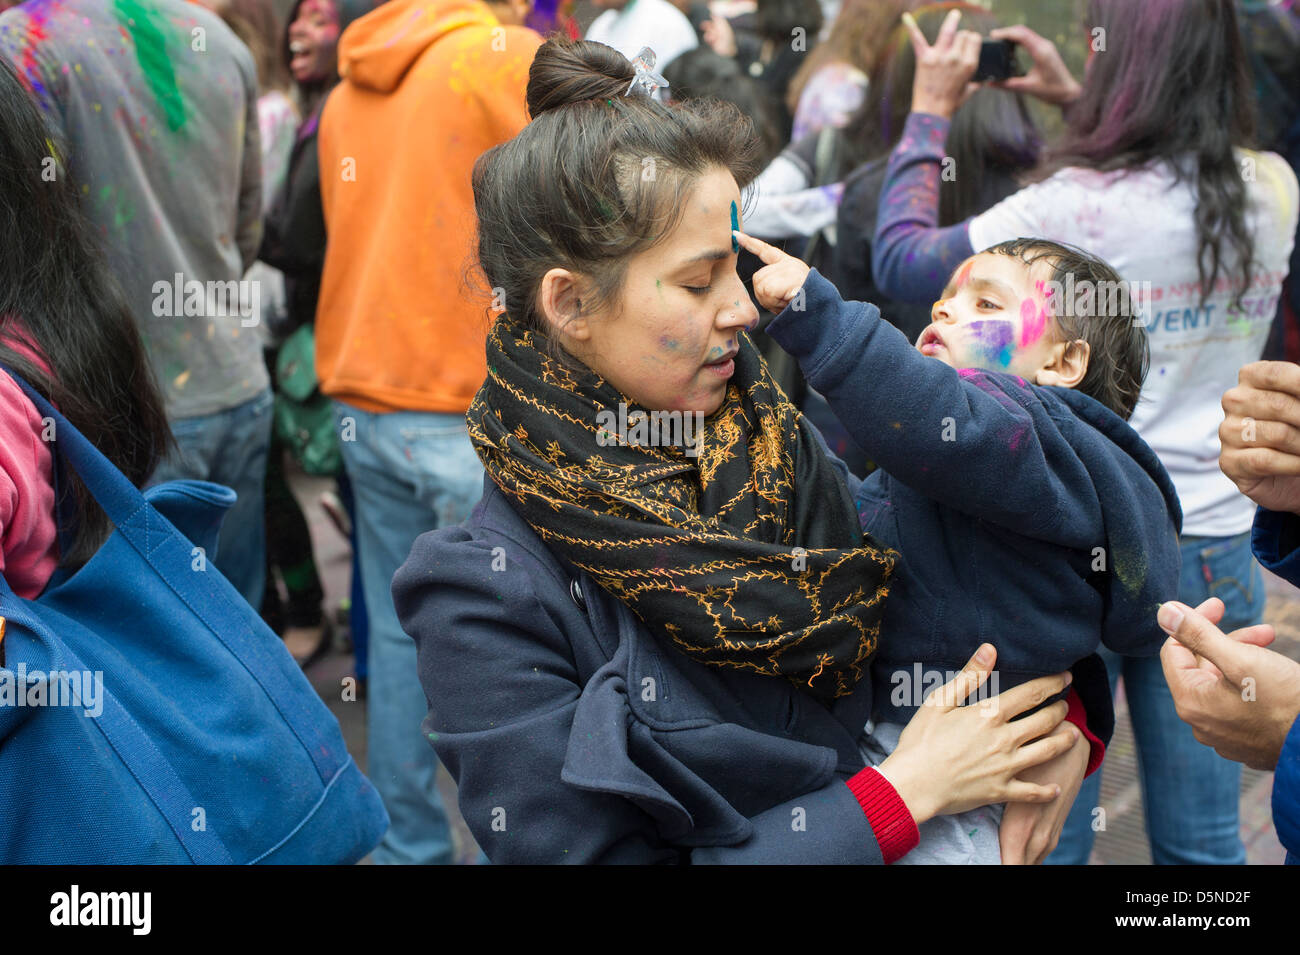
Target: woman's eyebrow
x,y
712,256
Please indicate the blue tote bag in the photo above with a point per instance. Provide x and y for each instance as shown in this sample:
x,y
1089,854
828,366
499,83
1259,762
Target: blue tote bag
x,y
148,715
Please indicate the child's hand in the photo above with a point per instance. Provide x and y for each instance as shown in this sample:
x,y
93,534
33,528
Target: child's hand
x,y
780,279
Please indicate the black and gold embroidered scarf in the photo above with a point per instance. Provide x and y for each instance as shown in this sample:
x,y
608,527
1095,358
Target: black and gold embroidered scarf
x,y
744,549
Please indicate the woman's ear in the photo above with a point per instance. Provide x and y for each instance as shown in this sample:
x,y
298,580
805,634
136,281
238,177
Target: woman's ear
x,y
561,306
1067,365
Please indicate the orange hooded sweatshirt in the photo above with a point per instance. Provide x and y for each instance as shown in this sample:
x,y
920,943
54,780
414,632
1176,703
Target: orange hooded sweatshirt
x,y
428,85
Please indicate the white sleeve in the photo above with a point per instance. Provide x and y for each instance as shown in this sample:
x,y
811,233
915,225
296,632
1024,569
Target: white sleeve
x,y
600,28
1035,210
782,205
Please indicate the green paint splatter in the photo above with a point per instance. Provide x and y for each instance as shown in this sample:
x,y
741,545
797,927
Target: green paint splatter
x,y
151,52
1129,564
735,227
118,205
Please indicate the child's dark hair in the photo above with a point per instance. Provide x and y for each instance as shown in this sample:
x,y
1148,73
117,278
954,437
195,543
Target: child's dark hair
x,y
1093,305
596,177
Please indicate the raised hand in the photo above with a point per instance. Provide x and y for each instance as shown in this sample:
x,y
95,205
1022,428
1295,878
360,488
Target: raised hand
x,y
943,71
1049,78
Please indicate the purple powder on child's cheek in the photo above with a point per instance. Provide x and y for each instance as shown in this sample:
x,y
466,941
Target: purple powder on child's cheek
x,y
667,344
735,227
993,342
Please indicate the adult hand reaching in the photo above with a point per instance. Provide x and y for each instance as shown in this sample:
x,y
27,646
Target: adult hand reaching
x,y
951,758
1260,434
943,71
1049,78
1030,831
1238,697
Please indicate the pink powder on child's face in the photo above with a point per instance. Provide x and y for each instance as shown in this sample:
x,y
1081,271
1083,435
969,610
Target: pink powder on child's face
x,y
1033,322
963,275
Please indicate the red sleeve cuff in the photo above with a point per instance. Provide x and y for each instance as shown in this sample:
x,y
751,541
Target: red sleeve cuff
x,y
1079,718
886,813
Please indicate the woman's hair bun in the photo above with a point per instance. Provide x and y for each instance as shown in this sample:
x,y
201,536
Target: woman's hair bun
x,y
568,71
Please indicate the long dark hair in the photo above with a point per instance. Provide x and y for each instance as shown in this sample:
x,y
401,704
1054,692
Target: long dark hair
x,y
1171,85
56,293
992,134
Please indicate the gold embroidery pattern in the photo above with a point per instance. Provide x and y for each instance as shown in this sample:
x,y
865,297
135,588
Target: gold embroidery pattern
x,y
727,554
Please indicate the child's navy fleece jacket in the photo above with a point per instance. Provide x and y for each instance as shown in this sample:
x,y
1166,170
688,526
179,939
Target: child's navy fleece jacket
x,y
1029,517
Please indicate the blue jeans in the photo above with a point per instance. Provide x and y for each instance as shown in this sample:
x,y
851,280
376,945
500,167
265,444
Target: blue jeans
x,y
1190,794
229,447
411,472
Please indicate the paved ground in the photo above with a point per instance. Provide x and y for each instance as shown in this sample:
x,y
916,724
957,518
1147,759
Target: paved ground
x,y
1123,842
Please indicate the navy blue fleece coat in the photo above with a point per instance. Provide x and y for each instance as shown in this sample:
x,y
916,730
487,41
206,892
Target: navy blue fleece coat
x,y
1029,517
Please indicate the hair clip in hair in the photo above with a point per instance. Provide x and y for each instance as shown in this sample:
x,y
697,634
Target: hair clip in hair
x,y
645,77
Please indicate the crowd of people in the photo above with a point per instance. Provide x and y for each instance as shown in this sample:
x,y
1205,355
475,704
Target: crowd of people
x,y
963,369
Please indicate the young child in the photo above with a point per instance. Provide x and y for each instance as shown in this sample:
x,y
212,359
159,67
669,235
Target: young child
x,y
1025,510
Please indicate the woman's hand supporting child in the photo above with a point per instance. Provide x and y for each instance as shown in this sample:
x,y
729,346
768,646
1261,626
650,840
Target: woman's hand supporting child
x,y
951,758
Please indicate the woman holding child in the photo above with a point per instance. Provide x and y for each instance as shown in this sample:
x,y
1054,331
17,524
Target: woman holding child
x,y
661,654
1152,174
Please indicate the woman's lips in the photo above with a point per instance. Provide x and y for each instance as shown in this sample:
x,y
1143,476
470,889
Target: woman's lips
x,y
724,367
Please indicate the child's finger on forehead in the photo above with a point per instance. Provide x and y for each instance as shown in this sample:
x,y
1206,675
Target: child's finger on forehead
x,y
769,255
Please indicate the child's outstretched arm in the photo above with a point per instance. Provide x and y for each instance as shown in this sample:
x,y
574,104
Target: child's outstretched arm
x,y
979,442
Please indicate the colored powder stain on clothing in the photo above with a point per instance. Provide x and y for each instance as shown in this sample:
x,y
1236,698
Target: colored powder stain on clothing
x,y
38,15
735,227
151,53
119,205
1129,564
1033,322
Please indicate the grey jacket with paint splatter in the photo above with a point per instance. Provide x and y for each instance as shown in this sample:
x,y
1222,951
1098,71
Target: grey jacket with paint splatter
x,y
154,106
